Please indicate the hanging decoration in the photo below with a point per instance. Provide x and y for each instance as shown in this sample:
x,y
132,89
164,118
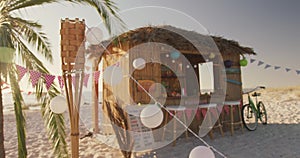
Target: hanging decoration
x,y
94,35
151,116
49,80
86,79
61,82
244,62
35,76
175,55
252,61
58,104
266,66
260,63
201,151
228,63
96,76
139,63
211,56
22,71
277,67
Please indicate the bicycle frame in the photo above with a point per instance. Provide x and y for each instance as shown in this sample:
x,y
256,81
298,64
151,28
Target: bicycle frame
x,y
254,105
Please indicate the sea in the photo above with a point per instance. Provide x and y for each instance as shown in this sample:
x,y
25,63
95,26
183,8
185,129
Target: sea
x,y
31,102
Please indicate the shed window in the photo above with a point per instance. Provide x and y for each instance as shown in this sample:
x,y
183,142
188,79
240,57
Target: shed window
x,y
206,77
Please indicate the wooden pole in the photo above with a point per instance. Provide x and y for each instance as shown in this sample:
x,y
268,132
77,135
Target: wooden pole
x,y
72,57
95,96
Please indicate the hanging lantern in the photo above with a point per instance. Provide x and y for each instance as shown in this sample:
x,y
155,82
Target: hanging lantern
x,y
139,63
175,55
244,62
211,56
228,63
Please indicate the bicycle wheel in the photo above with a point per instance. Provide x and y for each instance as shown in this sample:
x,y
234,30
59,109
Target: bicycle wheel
x,y
249,117
262,112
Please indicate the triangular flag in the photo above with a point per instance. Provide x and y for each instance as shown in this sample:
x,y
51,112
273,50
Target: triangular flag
x,y
35,76
252,60
87,68
96,76
61,81
277,67
86,79
267,66
188,113
260,63
298,72
21,71
49,80
73,81
287,69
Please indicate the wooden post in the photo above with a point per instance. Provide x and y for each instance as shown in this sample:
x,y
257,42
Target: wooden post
x,y
95,96
72,56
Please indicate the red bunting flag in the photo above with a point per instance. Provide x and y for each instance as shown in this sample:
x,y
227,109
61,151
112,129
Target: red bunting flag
x,y
86,79
35,76
188,113
96,76
21,71
49,80
61,81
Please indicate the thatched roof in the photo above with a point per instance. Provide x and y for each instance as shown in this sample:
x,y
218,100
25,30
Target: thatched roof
x,y
189,42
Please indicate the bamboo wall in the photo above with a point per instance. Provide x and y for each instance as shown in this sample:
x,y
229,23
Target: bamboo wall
x,y
233,90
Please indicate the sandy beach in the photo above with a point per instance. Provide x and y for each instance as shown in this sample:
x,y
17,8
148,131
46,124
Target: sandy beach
x,y
279,139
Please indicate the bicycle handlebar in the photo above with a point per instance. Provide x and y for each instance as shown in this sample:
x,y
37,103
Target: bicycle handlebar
x,y
255,89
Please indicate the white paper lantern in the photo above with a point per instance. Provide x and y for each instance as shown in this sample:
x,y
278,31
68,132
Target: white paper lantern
x,y
201,152
94,35
58,104
151,116
139,63
112,75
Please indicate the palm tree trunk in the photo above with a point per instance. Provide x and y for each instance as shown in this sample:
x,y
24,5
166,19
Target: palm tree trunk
x,y
2,151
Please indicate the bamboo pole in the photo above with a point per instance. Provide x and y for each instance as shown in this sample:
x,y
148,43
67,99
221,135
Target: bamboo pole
x,y
95,99
72,57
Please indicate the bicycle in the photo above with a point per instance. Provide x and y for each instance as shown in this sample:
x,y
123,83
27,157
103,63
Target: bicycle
x,y
251,111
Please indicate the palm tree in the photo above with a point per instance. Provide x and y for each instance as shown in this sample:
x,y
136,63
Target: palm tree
x,y
22,35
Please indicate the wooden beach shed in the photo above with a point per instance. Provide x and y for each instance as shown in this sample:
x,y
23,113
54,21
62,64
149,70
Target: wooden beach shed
x,y
159,46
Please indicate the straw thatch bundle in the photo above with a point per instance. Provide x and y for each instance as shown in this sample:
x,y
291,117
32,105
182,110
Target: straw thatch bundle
x,y
188,42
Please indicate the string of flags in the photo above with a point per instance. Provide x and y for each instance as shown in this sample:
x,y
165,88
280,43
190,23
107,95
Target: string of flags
x,y
35,76
275,67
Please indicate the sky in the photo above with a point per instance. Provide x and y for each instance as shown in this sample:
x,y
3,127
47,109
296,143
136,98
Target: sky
x,y
270,27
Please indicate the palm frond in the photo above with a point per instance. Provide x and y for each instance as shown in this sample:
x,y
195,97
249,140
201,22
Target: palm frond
x,y
20,119
28,30
23,4
55,128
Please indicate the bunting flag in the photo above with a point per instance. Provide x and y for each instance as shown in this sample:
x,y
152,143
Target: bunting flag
x,y
267,66
86,79
178,114
73,81
21,71
188,113
87,68
49,80
260,63
277,67
61,81
96,76
35,76
203,111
